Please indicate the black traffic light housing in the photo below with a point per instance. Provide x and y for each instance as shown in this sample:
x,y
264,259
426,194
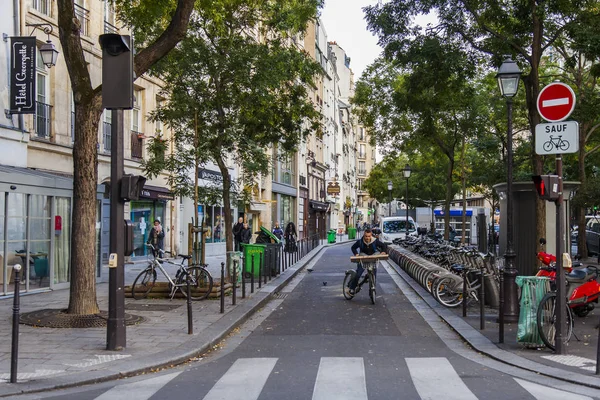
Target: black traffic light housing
x,y
546,186
117,71
131,186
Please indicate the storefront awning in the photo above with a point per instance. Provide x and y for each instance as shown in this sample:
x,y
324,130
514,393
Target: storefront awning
x,y
319,205
156,193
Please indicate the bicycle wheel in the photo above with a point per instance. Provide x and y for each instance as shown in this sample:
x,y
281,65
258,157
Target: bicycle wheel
x,y
546,321
447,292
143,283
372,286
564,145
548,146
201,283
346,290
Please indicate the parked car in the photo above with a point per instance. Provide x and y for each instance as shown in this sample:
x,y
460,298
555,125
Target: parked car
x,y
592,233
395,227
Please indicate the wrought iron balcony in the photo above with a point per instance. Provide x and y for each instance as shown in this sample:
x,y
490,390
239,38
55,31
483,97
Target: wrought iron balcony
x,y
83,15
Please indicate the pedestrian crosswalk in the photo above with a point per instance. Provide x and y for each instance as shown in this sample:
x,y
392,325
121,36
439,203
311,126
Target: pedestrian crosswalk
x,y
337,378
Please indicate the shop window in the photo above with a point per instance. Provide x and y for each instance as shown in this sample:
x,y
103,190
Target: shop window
x,y
62,243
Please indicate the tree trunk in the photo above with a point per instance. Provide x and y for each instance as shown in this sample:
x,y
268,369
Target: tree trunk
x,y
226,203
464,193
448,197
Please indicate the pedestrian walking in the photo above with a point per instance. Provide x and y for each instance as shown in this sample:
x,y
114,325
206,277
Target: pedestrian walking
x,y
246,234
237,233
156,237
277,231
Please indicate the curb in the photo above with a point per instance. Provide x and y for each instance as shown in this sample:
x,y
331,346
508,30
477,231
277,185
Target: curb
x,y
485,346
169,358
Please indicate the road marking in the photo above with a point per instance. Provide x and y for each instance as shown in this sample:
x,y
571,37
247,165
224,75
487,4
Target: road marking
x,y
545,393
24,376
341,378
555,102
100,359
140,390
574,361
244,380
435,378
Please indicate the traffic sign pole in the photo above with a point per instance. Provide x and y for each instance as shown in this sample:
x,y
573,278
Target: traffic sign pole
x,y
560,272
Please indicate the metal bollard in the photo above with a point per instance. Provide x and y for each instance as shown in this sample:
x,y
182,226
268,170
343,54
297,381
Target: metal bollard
x,y
243,278
189,305
222,287
264,267
464,293
482,300
598,354
14,351
501,311
235,267
260,266
252,274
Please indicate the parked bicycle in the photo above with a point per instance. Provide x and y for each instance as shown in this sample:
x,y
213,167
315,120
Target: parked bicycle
x,y
370,265
199,278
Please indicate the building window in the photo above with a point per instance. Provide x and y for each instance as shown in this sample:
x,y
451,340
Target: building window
x,y
43,111
362,152
359,184
43,6
361,134
83,15
110,20
214,221
362,169
106,131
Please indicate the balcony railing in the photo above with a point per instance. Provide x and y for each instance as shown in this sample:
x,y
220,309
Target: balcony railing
x,y
106,135
43,120
110,28
83,15
137,145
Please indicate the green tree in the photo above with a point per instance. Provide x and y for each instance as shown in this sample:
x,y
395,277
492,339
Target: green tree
x,y
160,26
238,89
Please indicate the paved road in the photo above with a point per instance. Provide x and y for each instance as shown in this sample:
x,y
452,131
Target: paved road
x,y
311,343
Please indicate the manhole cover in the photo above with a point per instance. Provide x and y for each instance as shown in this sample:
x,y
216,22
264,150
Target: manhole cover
x,y
55,318
151,307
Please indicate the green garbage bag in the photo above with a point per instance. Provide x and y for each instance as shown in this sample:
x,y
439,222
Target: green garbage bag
x,y
533,289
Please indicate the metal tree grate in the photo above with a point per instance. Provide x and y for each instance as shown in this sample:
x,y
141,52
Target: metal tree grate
x,y
55,318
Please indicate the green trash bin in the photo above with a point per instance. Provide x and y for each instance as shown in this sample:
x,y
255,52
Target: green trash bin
x,y
533,288
331,236
351,233
256,250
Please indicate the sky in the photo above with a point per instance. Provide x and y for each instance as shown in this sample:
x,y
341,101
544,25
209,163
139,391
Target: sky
x,y
345,24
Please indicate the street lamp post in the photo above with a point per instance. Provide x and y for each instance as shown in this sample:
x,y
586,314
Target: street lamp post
x,y
407,171
508,81
390,187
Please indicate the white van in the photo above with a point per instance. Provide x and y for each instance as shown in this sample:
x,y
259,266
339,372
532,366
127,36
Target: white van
x,y
395,227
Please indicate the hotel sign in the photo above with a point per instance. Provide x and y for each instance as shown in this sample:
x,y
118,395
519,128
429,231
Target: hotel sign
x,y
22,74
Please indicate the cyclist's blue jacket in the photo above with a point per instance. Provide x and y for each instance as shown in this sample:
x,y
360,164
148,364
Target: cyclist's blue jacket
x,y
370,248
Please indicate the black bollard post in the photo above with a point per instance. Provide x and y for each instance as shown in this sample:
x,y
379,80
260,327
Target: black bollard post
x,y
243,279
270,266
252,274
260,268
264,267
14,351
598,353
222,287
501,310
482,300
464,292
235,267
189,305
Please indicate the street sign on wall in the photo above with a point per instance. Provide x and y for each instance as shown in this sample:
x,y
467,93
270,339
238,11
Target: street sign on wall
x,y
22,74
557,138
556,102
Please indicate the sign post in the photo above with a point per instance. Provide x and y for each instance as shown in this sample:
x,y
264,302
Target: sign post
x,y
555,103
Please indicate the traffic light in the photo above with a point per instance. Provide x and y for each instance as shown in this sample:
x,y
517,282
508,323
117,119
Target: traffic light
x,y
131,186
546,186
117,71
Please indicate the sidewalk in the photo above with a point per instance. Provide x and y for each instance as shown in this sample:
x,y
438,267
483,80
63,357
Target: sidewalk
x,y
578,366
57,358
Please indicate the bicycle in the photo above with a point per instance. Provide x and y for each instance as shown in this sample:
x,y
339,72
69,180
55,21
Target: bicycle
x,y
558,142
199,277
370,265
546,320
447,289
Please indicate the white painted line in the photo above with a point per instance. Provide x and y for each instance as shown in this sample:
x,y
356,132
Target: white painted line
x,y
140,390
556,102
541,392
341,378
574,361
24,376
244,380
100,359
435,378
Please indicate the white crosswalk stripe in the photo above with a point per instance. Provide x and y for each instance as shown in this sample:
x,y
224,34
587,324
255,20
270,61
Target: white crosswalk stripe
x,y
341,378
435,378
244,380
545,393
140,390
338,378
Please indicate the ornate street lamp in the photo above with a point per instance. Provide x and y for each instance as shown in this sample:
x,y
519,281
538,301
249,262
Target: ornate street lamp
x,y
47,50
406,172
508,77
390,187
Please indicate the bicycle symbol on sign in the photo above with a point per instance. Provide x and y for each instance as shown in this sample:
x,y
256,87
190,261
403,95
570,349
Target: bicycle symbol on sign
x,y
556,142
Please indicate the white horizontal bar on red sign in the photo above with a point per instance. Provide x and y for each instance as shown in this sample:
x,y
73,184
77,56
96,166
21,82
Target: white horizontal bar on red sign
x,y
555,102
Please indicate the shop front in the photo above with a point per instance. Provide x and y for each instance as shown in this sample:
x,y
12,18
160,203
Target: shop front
x,y
151,207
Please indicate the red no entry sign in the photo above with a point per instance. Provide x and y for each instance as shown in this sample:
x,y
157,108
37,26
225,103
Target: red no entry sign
x,y
556,102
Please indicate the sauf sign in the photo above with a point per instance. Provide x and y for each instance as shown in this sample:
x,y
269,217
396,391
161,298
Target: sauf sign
x,y
22,74
555,103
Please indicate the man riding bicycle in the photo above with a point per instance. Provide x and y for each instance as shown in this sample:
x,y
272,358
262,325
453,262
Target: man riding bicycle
x,y
365,246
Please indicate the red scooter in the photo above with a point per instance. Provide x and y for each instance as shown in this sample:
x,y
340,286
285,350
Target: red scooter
x,y
583,288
